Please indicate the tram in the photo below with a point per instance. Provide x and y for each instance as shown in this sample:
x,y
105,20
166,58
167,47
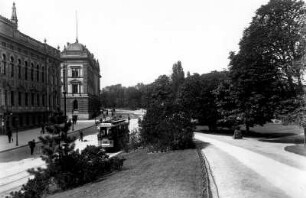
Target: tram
x,y
113,134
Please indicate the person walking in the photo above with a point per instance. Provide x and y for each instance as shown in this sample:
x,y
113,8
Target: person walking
x,y
73,119
9,134
32,146
81,136
42,129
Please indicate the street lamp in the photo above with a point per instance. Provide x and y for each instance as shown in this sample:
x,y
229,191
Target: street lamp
x,y
17,120
64,90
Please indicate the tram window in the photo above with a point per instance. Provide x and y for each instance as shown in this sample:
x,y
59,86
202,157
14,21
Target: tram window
x,y
103,131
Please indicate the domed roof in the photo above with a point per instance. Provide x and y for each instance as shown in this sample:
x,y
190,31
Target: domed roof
x,y
75,47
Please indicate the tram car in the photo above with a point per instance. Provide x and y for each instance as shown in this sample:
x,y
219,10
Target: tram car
x,y
113,135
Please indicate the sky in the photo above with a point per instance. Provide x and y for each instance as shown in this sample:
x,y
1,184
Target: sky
x,y
136,41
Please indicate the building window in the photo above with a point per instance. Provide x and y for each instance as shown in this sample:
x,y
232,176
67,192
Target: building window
x,y
50,102
26,70
75,72
42,75
43,100
26,99
32,99
19,68
32,72
54,101
5,97
12,98
75,88
37,73
19,98
4,64
12,67
75,105
38,103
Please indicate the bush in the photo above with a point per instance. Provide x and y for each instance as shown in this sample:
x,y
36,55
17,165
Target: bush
x,y
135,141
68,171
167,127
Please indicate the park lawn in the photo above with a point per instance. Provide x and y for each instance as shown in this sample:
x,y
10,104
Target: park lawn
x,y
173,174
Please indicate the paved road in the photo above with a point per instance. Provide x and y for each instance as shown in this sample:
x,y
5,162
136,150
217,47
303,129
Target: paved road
x,y
250,168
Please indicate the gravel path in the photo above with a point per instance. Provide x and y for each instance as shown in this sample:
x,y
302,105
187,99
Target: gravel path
x,y
243,172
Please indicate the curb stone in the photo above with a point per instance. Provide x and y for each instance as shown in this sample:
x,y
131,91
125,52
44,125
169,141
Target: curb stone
x,y
210,188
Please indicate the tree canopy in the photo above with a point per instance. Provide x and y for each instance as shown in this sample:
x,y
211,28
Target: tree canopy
x,y
266,73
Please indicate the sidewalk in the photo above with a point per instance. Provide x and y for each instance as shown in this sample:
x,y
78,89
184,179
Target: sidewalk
x,y
25,136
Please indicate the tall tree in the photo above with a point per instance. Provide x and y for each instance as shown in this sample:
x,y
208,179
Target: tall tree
x,y
265,72
177,76
196,96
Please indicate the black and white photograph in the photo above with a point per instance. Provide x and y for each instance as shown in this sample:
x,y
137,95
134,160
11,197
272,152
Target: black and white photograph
x,y
152,99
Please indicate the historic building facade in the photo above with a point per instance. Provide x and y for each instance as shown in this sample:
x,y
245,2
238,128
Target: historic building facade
x,y
29,77
81,81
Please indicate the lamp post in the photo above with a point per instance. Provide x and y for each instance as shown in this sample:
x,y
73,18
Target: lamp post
x,y
64,90
17,120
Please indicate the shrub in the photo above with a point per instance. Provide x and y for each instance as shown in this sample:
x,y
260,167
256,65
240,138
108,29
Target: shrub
x,y
135,141
68,169
167,127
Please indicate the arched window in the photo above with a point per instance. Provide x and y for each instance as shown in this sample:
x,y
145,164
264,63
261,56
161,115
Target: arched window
x,y
12,67
26,70
32,71
75,105
19,68
37,73
4,64
42,74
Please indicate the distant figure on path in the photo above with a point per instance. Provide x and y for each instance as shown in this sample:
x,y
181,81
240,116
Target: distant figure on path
x,y
74,119
42,129
81,136
237,133
9,134
32,146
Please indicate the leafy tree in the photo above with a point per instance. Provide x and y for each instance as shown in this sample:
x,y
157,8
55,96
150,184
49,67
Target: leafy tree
x,y
166,125
177,76
196,96
264,73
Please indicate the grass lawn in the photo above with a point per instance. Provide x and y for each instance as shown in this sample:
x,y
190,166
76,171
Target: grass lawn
x,y
297,149
174,174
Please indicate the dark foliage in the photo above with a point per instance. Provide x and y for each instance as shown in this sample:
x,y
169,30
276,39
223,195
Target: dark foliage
x,y
66,168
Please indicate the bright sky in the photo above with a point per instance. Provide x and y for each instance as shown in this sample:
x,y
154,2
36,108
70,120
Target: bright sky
x,y
138,40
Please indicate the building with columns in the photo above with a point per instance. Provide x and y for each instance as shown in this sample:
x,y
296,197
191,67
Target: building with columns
x,y
30,86
80,74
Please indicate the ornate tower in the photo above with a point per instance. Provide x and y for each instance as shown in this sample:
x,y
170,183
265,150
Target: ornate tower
x,y
14,15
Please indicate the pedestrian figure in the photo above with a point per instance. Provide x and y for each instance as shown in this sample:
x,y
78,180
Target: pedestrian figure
x,y
237,133
42,129
81,136
129,118
99,136
32,146
73,119
69,123
9,134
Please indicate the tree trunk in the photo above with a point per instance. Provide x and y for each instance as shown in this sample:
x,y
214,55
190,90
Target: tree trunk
x,y
304,136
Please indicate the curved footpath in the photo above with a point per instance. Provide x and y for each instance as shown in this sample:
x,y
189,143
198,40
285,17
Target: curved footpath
x,y
250,168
